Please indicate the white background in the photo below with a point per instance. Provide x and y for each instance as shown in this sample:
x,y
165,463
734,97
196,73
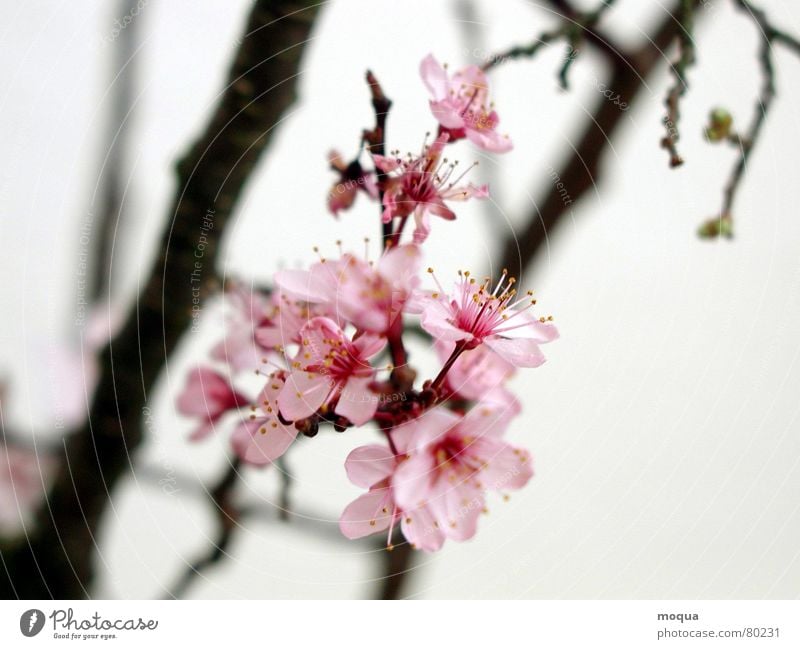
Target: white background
x,y
664,424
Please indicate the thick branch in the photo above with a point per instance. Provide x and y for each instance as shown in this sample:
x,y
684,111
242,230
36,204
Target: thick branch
x,y
397,565
58,559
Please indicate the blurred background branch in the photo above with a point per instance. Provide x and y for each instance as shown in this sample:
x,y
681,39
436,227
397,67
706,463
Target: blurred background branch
x,y
56,560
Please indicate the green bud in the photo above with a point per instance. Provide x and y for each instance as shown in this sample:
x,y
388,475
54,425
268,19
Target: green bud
x,y
716,227
719,126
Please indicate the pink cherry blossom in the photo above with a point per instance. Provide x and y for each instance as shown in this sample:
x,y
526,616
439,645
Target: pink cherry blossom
x,y
287,318
421,185
376,511
330,367
451,461
371,297
261,437
477,374
207,396
461,105
251,310
351,178
476,315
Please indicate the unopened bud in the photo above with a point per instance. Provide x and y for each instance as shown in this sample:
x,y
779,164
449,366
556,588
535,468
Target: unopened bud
x,y
716,227
719,126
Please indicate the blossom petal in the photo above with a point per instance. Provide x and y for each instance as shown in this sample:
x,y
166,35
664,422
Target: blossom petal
x,y
434,76
412,480
521,352
435,320
369,513
506,467
368,465
489,140
447,114
303,394
312,285
456,507
357,402
421,530
261,442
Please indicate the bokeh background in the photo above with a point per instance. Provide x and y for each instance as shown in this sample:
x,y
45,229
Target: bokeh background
x,y
664,425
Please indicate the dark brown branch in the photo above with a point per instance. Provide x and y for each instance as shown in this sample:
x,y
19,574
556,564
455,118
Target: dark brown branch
x,y
376,140
222,499
679,68
580,174
285,494
58,559
397,565
768,30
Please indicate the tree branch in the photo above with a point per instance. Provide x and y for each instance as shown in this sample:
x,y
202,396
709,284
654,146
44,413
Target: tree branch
x,y
580,174
221,497
686,58
577,26
57,560
769,34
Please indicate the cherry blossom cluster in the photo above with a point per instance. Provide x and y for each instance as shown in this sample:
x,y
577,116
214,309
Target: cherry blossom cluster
x,y
327,344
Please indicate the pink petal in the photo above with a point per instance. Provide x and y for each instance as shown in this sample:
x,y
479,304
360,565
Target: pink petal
x,y
434,76
413,479
310,285
447,114
366,515
400,265
486,419
421,530
489,140
440,209
357,402
507,468
436,321
521,352
385,163
368,345
303,395
258,442
368,465
457,507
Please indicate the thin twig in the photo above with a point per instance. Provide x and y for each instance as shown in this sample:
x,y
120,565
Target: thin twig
x,y
221,497
320,525
376,141
769,34
581,172
679,68
576,27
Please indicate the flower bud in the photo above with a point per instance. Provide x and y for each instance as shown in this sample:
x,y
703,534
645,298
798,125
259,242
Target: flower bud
x,y
716,227
719,126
